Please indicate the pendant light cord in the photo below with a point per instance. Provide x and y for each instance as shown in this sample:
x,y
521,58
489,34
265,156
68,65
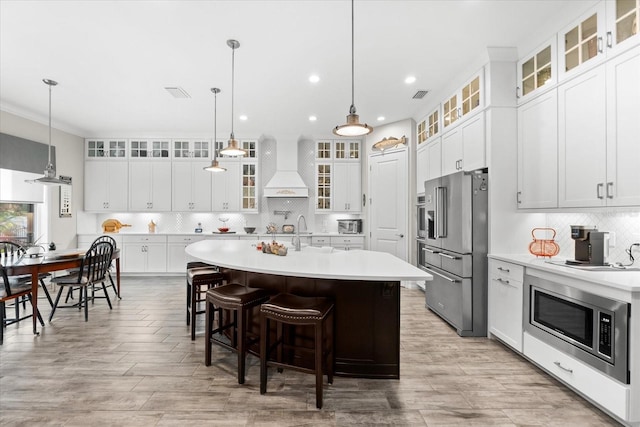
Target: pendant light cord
x,y
215,125
353,108
233,66
49,162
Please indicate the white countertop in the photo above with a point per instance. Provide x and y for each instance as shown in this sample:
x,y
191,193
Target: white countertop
x,y
619,279
232,233
309,262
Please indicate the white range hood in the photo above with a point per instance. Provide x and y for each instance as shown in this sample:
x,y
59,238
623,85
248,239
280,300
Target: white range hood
x,y
286,182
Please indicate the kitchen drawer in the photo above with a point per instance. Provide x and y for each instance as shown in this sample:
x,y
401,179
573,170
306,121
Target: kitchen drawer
x,y
347,240
144,239
85,240
506,270
603,390
186,239
320,241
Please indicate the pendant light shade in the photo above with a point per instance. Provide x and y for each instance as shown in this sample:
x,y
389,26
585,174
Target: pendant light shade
x,y
353,127
215,167
49,177
233,148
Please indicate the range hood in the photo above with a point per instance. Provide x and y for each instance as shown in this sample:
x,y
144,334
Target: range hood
x,y
286,182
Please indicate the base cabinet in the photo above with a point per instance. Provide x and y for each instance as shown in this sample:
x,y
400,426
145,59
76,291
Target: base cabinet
x,y
176,257
505,302
610,394
144,254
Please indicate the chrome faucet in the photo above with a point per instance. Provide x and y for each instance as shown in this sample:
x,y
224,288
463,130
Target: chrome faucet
x,y
295,241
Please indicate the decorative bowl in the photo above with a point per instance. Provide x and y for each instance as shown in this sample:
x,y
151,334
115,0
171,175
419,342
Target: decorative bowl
x,y
249,230
223,229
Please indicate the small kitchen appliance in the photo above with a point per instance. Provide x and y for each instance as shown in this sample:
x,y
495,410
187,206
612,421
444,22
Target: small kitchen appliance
x,y
591,245
349,226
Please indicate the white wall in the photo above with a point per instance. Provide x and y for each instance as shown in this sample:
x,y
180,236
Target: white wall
x,y
70,162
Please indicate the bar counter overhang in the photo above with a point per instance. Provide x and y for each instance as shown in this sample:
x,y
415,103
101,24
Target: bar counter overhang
x,y
364,284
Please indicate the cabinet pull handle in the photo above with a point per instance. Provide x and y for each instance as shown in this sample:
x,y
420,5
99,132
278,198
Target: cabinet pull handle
x,y
448,256
506,282
518,194
600,48
441,275
609,39
518,92
430,251
599,190
559,365
609,187
506,270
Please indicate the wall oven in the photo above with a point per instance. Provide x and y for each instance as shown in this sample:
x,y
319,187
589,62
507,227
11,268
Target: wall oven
x,y
592,328
421,218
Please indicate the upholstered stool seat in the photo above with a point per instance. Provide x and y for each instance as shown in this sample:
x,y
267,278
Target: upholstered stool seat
x,y
292,310
239,300
199,280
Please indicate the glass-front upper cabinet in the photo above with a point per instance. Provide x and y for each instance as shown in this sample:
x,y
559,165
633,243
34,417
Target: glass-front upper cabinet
x,y
323,186
251,147
249,177
465,101
323,150
191,149
422,131
622,22
537,70
429,126
149,148
96,148
346,150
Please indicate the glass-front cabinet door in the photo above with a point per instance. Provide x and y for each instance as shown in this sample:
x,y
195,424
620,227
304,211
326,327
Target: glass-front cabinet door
x,y
622,22
465,101
471,96
323,150
249,187
323,186
346,150
422,131
149,148
582,43
537,70
191,149
100,148
433,124
450,111
250,146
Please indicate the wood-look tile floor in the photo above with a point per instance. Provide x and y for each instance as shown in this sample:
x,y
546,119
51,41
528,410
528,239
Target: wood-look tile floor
x,y
136,365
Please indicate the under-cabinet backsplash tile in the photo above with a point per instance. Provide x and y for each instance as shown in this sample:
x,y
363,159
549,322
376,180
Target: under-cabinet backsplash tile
x,y
625,225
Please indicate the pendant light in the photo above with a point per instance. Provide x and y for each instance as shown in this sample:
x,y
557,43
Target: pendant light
x,y
233,149
353,127
215,167
49,177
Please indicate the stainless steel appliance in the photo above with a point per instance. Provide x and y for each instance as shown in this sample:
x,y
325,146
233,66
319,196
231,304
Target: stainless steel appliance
x,y
349,226
591,245
421,218
592,328
455,250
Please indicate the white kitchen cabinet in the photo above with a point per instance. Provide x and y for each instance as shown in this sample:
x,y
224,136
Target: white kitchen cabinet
x,y
463,148
190,149
609,393
225,194
150,186
191,186
347,242
623,129
176,256
464,102
347,189
106,184
608,29
346,150
144,254
249,183
434,160
149,148
100,148
422,166
320,241
324,176
537,71
505,299
538,152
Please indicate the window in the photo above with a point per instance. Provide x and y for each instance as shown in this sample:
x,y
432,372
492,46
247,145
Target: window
x,y
17,222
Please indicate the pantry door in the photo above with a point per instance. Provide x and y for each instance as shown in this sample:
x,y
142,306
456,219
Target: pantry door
x,y
388,190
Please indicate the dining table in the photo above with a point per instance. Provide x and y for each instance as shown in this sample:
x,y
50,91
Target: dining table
x,y
47,262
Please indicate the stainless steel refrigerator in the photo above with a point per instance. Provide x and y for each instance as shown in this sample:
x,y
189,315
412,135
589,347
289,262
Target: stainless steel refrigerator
x,y
455,251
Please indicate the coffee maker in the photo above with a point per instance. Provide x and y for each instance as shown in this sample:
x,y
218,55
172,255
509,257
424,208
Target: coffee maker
x,y
591,245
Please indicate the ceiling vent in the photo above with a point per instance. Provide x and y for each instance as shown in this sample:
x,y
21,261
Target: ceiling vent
x,y
420,94
177,92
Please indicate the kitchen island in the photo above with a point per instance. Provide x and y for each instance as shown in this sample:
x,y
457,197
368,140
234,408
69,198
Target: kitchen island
x,y
365,286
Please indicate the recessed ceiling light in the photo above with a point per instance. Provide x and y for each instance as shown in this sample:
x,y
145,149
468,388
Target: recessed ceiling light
x,y
314,78
410,79
312,118
380,118
243,117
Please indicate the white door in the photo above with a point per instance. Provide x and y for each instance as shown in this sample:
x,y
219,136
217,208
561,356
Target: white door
x,y
388,183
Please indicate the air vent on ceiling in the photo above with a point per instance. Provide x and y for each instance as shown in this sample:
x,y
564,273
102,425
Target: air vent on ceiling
x,y
177,92
420,94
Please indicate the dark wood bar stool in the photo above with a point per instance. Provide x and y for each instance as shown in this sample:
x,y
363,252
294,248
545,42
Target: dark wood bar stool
x,y
293,310
239,300
200,278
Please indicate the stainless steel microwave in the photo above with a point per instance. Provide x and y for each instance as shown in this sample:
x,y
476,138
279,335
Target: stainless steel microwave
x,y
592,328
349,226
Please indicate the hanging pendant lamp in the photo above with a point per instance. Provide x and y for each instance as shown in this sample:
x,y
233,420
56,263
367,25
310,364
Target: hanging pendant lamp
x,y
49,177
233,148
353,127
215,167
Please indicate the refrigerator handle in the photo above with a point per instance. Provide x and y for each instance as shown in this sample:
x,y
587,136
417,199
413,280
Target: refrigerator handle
x,y
441,212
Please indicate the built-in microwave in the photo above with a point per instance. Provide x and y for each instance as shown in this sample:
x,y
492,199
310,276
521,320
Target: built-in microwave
x,y
592,328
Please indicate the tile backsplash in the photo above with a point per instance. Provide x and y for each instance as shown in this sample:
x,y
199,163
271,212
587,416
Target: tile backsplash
x,y
625,225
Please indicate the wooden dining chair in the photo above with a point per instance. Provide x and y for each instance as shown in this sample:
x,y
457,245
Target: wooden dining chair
x,y
93,272
13,290
13,250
